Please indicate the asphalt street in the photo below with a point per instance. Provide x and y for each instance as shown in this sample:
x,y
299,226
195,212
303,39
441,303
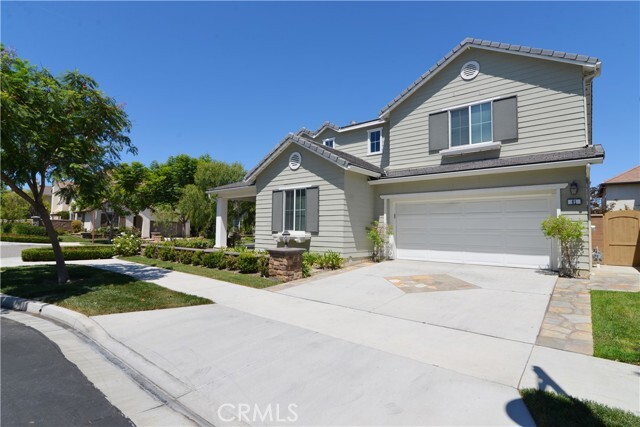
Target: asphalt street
x,y
40,387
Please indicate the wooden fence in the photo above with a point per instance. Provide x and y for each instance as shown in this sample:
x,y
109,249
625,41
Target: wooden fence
x,y
617,235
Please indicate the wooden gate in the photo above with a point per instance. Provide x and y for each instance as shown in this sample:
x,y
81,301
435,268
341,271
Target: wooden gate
x,y
622,238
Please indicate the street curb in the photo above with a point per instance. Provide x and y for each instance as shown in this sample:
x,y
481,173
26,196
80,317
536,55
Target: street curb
x,y
167,384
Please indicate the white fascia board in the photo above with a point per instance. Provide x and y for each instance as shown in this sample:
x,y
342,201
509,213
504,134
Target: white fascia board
x,y
491,171
248,191
363,171
478,193
251,178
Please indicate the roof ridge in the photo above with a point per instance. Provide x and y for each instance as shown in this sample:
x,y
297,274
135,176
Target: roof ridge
x,y
487,44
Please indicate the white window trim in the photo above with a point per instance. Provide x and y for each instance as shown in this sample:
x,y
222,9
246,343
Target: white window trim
x,y
284,209
333,142
369,152
468,106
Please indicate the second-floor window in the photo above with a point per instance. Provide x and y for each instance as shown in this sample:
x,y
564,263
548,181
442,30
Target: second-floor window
x,y
471,125
375,141
295,210
329,142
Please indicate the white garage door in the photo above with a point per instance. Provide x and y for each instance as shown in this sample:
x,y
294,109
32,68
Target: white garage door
x,y
494,231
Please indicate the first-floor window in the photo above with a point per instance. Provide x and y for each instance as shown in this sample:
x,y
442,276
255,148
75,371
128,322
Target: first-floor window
x,y
295,210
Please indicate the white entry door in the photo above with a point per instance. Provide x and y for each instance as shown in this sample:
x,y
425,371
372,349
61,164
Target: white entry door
x,y
493,231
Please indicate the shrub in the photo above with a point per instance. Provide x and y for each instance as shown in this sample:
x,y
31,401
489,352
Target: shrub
x,y
196,243
569,233
306,269
166,253
184,257
63,214
70,253
150,251
214,259
60,231
24,239
263,265
331,260
28,229
379,234
311,258
127,245
230,262
6,227
197,258
247,262
76,226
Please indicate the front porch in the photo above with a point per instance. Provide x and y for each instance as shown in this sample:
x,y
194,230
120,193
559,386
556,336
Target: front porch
x,y
238,191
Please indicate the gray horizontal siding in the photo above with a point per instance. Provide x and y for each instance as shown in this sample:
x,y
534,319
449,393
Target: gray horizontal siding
x,y
314,171
551,112
360,214
356,142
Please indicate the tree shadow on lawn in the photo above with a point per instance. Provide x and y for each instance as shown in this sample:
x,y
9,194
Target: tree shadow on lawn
x,y
40,282
138,271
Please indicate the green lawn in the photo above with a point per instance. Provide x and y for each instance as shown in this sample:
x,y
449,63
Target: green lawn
x,y
91,291
550,410
78,239
251,280
616,322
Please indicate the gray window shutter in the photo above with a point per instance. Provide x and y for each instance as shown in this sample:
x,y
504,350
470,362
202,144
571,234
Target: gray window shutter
x,y
313,209
438,131
276,211
505,119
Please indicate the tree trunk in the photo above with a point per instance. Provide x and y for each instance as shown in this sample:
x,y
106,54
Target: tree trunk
x,y
63,274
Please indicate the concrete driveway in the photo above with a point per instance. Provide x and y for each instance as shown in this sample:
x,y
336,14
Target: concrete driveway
x,y
501,302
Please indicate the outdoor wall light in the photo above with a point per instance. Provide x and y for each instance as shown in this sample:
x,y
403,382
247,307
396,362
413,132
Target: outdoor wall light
x,y
573,188
285,238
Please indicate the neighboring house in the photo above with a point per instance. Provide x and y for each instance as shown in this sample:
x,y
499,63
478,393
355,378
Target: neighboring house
x,y
464,165
623,191
144,221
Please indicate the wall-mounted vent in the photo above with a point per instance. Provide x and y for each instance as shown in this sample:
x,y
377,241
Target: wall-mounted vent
x,y
470,70
295,159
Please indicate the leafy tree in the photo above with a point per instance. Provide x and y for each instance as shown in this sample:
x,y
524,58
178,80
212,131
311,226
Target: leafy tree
x,y
197,207
57,128
13,207
214,173
569,234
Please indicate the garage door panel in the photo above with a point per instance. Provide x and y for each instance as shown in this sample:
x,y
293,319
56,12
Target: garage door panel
x,y
498,231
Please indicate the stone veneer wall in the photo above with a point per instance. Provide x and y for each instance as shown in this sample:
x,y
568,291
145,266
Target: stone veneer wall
x,y
285,263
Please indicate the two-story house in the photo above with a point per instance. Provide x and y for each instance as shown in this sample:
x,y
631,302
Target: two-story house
x,y
464,164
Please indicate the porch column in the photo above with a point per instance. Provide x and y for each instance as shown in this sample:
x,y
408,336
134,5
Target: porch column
x,y
221,222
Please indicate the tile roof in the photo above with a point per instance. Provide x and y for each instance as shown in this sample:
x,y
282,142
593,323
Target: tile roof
x,y
590,152
632,175
329,125
486,44
338,157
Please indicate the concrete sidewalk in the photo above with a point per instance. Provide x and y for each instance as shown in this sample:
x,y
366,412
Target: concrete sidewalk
x,y
490,359
342,365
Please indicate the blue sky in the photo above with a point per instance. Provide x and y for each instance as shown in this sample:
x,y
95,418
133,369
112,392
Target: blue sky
x,y
232,79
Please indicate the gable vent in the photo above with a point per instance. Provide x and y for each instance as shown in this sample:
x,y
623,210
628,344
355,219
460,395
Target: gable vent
x,y
295,159
470,70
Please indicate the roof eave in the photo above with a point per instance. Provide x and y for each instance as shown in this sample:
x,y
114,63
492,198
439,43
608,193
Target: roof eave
x,y
464,47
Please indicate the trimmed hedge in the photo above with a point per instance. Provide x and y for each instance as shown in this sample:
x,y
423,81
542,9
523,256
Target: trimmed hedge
x,y
246,262
70,253
27,229
19,238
